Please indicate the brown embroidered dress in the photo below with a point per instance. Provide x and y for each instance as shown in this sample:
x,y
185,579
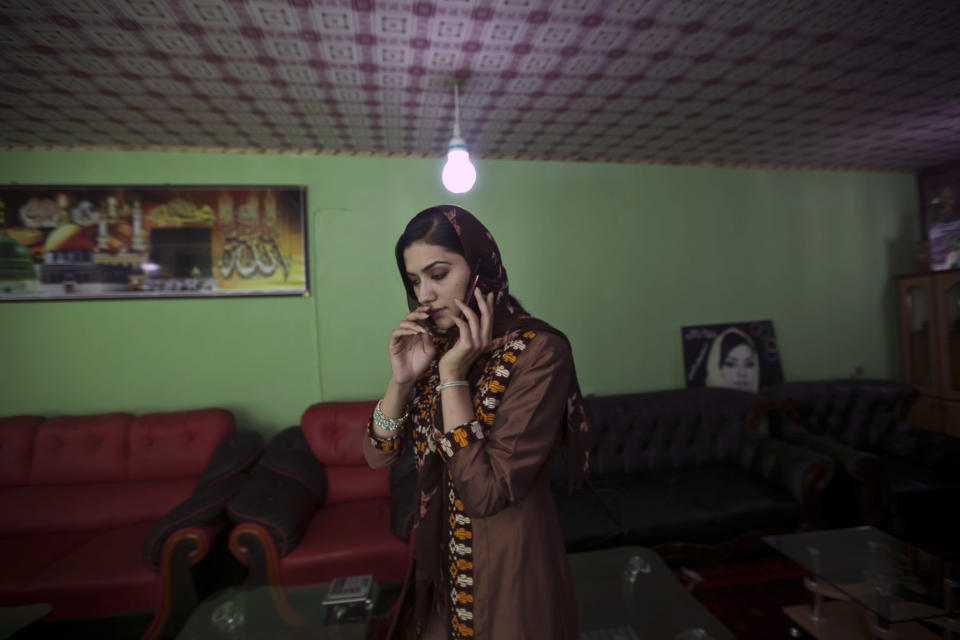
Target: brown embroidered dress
x,y
502,551
489,559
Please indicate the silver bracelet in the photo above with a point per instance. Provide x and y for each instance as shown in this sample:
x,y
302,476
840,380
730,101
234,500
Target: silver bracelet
x,y
381,421
452,383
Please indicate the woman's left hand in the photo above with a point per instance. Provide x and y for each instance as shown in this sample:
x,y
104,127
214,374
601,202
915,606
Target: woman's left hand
x,y
476,336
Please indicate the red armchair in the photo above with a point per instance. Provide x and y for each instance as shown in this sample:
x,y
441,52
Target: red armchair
x,y
105,514
313,509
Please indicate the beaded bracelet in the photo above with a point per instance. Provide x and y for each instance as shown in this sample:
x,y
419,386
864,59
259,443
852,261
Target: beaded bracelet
x,y
381,421
452,383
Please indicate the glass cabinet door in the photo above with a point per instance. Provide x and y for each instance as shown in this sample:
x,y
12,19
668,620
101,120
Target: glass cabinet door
x,y
919,339
948,294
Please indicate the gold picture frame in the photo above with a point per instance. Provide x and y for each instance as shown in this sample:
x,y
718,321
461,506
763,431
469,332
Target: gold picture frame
x,y
130,242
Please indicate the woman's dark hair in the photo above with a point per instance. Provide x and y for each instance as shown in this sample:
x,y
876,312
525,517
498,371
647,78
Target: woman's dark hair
x,y
730,341
432,227
427,226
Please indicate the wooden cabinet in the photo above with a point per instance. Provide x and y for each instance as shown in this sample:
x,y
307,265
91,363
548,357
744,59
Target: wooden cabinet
x,y
930,340
951,418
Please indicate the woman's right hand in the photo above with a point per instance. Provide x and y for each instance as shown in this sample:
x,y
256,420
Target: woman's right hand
x,y
411,347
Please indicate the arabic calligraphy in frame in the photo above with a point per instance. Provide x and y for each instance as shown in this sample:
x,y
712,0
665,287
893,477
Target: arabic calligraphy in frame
x,y
91,242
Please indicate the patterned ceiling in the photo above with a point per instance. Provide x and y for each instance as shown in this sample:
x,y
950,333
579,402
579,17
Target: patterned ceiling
x,y
841,84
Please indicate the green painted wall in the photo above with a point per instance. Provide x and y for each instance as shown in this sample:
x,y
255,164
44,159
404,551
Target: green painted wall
x,y
618,256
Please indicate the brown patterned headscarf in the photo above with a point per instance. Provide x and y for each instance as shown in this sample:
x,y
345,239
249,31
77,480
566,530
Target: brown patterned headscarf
x,y
479,249
509,320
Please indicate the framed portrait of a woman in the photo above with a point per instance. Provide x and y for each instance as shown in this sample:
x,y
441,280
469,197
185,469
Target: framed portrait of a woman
x,y
739,355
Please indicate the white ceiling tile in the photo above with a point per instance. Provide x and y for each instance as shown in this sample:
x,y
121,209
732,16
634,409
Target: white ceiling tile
x,y
274,17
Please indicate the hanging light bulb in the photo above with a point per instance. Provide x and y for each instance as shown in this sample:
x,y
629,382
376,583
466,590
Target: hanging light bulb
x,y
458,173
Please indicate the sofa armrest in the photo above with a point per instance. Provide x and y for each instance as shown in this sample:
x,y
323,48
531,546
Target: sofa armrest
x,y
289,454
799,471
206,507
860,472
282,505
857,463
178,599
273,511
255,546
237,453
285,489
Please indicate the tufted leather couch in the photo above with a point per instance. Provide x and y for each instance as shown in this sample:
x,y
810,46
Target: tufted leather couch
x,y
891,474
105,514
683,471
314,510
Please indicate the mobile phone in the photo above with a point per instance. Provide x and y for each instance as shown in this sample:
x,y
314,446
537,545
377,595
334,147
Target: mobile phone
x,y
474,279
348,589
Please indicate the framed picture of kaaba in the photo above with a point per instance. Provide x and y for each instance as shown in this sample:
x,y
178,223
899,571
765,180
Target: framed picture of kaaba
x,y
739,355
127,242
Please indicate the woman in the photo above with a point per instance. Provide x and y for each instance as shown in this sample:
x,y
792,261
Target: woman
x,y
486,395
732,362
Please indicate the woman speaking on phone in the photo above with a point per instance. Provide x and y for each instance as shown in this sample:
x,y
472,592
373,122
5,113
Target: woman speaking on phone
x,y
486,396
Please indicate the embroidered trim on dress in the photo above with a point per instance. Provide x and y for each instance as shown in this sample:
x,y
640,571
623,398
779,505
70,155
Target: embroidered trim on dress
x,y
451,442
459,524
427,440
383,444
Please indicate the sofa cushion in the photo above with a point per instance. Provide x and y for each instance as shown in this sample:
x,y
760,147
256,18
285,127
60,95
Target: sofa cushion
x,y
709,504
347,484
584,521
335,433
289,454
175,444
16,448
26,555
841,408
279,502
103,576
87,507
652,508
665,429
740,501
204,507
347,539
237,453
80,449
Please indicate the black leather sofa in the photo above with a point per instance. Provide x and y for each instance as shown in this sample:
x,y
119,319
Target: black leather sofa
x,y
686,472
890,474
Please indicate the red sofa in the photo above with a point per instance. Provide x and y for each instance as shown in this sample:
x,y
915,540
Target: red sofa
x,y
313,509
105,514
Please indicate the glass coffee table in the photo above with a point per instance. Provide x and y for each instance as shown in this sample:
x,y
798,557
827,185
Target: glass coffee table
x,y
629,593
625,593
12,619
288,612
866,583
